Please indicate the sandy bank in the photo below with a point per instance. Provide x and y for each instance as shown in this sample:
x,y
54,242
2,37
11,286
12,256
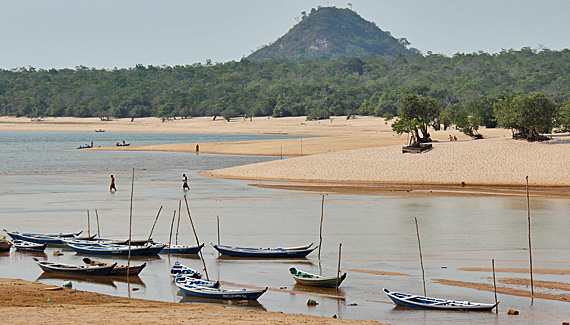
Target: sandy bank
x,y
494,162
26,302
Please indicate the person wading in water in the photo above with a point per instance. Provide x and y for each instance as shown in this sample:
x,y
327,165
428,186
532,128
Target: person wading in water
x,y
185,182
112,188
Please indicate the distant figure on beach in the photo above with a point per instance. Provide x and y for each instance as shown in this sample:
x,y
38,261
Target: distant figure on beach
x,y
112,188
450,138
185,182
91,144
123,142
454,138
197,149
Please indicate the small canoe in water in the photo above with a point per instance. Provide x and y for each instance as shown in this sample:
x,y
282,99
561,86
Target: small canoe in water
x,y
216,293
74,269
28,246
407,300
315,280
292,252
184,270
118,269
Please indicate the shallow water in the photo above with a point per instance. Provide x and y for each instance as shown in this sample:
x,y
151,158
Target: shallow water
x,y
46,187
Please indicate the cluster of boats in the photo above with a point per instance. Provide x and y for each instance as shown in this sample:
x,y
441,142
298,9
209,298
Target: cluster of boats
x,y
190,281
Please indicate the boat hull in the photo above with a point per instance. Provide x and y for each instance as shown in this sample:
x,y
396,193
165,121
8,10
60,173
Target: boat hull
x,y
181,249
263,252
119,250
205,292
412,301
73,269
118,270
316,280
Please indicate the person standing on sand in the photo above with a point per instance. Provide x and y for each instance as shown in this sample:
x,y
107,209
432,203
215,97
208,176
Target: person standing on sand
x,y
185,183
112,188
197,149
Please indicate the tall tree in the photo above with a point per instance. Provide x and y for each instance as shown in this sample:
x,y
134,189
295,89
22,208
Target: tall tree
x,y
529,115
415,115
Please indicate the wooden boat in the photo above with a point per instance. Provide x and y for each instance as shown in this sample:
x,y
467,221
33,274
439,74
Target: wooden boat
x,y
197,282
291,252
100,130
118,269
5,245
29,246
217,293
123,144
184,270
36,238
111,249
315,280
74,269
84,146
407,300
181,249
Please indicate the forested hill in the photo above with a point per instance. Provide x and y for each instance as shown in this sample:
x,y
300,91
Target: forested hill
x,y
281,87
330,33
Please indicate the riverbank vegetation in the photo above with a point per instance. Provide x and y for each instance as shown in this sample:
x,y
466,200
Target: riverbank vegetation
x,y
466,87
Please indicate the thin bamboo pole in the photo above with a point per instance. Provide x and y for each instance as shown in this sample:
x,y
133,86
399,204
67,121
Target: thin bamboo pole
x,y
196,236
421,259
321,226
130,229
171,227
495,285
178,224
529,244
98,230
218,222
338,268
88,225
154,224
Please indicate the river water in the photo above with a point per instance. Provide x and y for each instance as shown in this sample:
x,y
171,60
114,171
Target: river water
x,y
47,186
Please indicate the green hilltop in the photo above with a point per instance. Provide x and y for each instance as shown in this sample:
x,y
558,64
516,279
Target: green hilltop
x,y
330,33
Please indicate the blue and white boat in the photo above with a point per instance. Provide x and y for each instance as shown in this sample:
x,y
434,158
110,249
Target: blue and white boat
x,y
413,301
196,282
53,239
183,270
181,249
111,249
217,293
290,252
29,246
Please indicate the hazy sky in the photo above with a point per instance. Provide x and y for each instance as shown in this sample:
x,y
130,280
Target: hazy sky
x,y
123,33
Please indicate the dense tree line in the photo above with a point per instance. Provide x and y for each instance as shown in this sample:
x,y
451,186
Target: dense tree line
x,y
465,86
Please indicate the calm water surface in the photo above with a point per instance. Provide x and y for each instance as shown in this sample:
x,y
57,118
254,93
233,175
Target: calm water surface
x,y
48,187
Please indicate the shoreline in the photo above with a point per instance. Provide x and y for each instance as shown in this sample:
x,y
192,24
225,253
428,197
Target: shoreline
x,y
360,155
25,302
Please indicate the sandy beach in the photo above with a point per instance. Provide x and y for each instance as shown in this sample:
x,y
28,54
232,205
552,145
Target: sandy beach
x,y
361,155
26,302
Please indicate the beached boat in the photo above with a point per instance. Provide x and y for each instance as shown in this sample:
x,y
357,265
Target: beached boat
x,y
181,249
315,280
217,293
111,249
74,269
50,239
29,246
118,269
5,245
196,282
184,270
407,300
290,252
